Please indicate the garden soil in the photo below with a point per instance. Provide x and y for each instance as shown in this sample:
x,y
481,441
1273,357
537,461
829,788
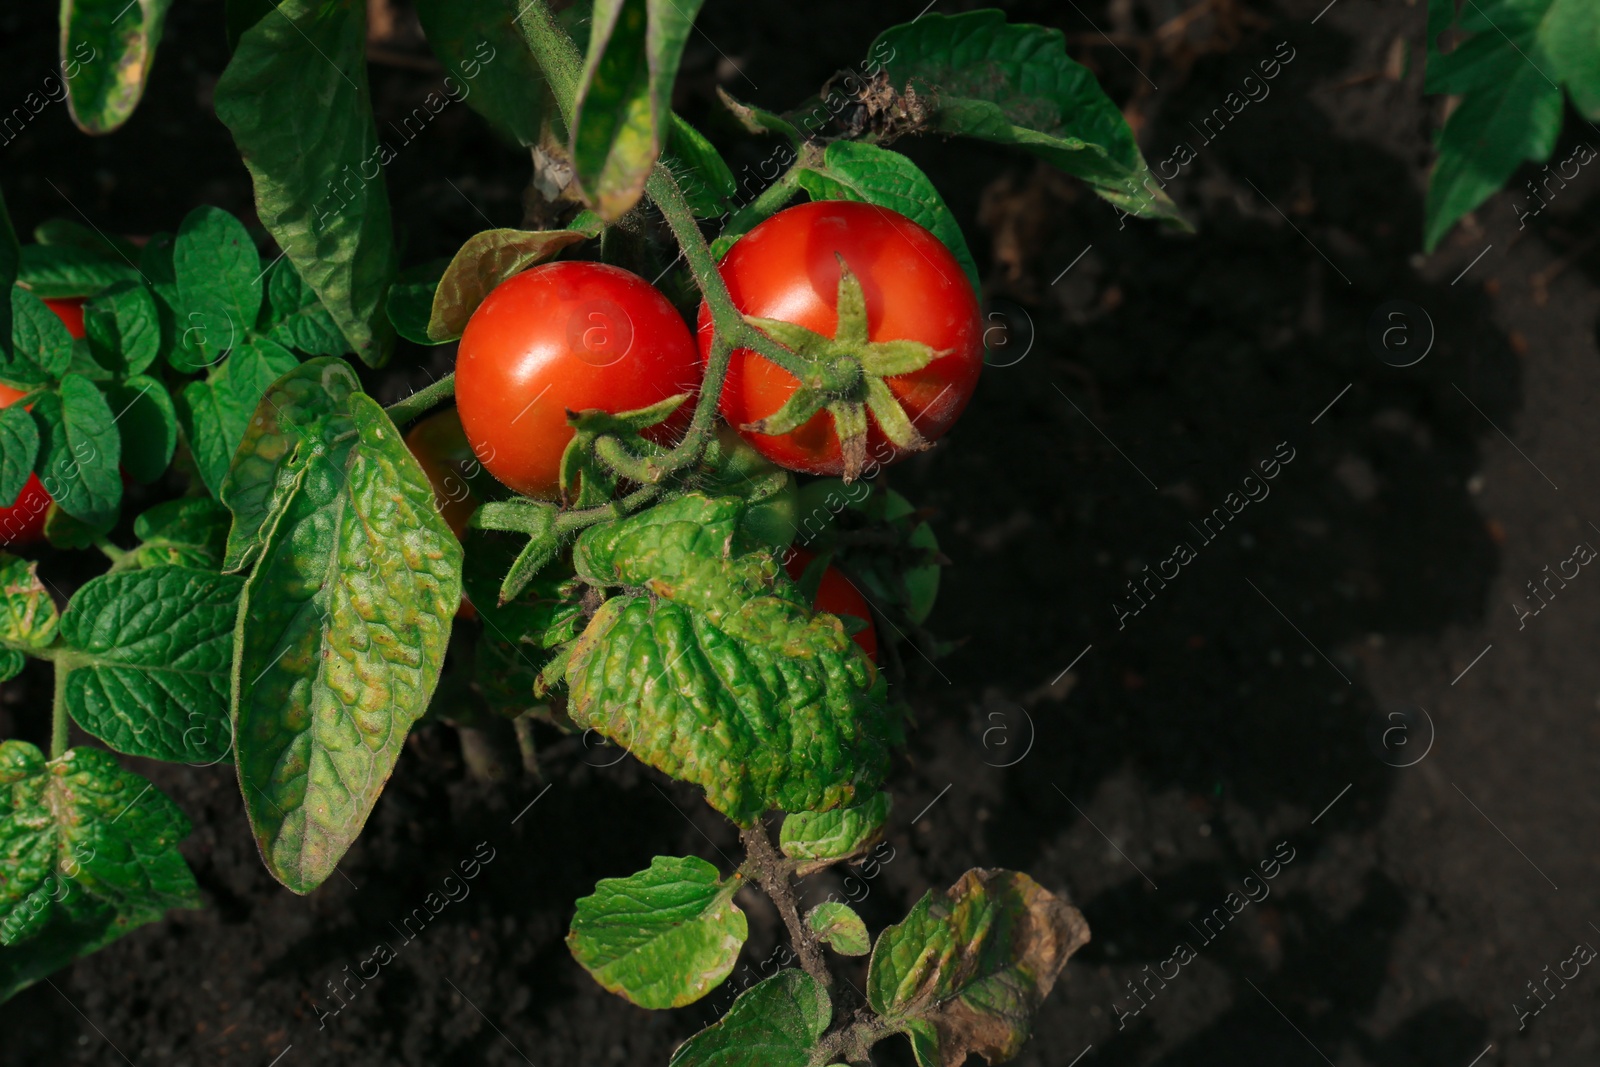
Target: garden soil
x,y
1248,664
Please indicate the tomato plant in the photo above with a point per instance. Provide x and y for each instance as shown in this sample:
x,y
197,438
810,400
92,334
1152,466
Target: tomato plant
x,y
639,561
882,315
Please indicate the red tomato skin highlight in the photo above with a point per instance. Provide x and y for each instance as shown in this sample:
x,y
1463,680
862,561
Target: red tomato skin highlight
x,y
836,595
787,268
562,337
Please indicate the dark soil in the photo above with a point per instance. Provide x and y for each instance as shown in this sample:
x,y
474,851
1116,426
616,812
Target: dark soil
x,y
1253,715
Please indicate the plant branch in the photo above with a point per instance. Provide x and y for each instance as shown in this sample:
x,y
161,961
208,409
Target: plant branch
x,y
772,197
773,875
403,411
59,722
573,521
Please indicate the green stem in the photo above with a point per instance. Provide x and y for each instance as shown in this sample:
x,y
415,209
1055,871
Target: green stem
x,y
121,558
58,712
572,521
771,199
403,411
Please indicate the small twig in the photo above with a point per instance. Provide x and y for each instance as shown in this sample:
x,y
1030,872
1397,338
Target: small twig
x,y
403,411
772,874
121,558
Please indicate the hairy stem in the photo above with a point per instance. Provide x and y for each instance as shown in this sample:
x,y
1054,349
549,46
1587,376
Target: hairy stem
x,y
403,411
772,197
59,721
773,876
573,521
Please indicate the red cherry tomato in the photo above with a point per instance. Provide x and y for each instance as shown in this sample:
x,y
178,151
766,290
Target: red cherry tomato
x,y
446,458
564,337
69,311
787,268
23,522
836,596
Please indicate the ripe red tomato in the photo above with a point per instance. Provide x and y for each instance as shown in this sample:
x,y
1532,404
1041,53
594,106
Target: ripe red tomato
x,y
564,337
788,268
69,311
23,522
836,596
446,458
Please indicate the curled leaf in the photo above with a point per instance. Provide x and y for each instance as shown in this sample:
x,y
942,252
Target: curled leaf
x,y
968,967
486,260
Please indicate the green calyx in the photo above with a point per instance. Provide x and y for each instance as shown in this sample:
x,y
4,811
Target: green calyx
x,y
845,375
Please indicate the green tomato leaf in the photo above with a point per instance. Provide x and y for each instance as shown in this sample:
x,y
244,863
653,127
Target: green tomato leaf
x,y
41,346
822,838
28,618
79,833
866,173
620,125
840,927
148,425
214,413
489,63
219,284
10,262
245,377
200,415
778,1022
1572,41
64,531
54,272
664,937
72,232
1014,84
19,450
112,43
149,670
344,618
191,531
79,451
709,666
295,97
293,316
1510,110
967,969
486,260
257,483
410,301
705,179
123,327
